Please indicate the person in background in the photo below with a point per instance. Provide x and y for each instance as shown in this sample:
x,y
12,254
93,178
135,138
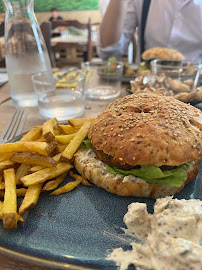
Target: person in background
x,y
55,17
168,23
103,6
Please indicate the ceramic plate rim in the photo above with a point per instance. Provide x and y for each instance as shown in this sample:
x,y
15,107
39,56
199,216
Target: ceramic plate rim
x,y
41,261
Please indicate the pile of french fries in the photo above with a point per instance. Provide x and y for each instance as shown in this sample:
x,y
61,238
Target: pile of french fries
x,y
39,162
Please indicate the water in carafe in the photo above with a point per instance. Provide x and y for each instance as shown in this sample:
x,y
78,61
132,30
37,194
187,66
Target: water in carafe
x,y
26,52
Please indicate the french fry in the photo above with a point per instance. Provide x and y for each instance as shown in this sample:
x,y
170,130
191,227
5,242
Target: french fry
x,y
33,159
21,192
78,122
30,199
6,156
10,200
2,192
49,137
41,139
40,153
70,150
86,183
50,185
57,157
33,135
45,174
65,139
6,164
56,132
2,185
67,129
19,218
66,188
78,177
61,147
38,168
36,147
51,141
22,170
49,125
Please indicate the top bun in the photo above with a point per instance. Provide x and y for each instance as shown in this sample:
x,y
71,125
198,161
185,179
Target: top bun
x,y
162,54
148,129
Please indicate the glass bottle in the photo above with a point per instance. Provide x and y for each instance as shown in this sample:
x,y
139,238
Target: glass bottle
x,y
26,52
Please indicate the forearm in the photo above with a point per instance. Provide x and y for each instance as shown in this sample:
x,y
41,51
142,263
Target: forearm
x,y
112,23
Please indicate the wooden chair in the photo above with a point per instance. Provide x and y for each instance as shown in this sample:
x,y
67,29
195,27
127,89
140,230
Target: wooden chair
x,y
2,46
46,32
2,26
95,28
73,53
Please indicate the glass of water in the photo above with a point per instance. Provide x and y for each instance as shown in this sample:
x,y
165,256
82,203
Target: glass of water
x,y
103,80
63,100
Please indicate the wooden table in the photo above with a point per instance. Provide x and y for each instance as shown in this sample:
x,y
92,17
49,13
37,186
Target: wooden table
x,y
7,108
72,48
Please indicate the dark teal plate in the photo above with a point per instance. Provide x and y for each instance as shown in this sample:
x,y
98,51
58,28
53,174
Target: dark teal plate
x,y
78,229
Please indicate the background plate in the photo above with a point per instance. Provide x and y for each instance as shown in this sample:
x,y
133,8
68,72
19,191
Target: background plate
x,y
77,229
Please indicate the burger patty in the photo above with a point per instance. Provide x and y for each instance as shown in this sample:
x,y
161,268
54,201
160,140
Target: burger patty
x,y
111,161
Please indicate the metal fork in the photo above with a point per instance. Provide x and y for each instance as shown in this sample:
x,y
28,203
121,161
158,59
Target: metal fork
x,y
15,125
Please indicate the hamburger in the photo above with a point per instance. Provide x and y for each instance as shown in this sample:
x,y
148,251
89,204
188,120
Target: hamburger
x,y
143,145
157,53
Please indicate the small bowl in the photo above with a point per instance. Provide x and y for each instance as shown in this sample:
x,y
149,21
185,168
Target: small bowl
x,y
177,79
175,76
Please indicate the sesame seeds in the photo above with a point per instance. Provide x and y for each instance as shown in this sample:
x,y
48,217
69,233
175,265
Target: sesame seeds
x,y
164,125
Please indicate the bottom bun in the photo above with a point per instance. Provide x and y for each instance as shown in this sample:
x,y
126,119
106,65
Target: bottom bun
x,y
95,171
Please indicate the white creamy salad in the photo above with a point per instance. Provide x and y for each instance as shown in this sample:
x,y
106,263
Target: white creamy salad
x,y
171,238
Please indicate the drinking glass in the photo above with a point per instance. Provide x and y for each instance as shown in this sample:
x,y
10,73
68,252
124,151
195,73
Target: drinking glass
x,y
102,80
62,100
175,76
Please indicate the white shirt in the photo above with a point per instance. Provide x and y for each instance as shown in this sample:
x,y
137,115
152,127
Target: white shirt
x,y
103,6
170,23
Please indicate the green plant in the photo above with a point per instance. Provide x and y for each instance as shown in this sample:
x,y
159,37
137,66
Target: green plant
x,y
61,5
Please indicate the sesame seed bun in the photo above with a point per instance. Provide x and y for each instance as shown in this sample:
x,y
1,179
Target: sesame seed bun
x,y
146,129
162,53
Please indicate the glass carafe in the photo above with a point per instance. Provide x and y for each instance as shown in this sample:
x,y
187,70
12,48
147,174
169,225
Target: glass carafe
x,y
26,52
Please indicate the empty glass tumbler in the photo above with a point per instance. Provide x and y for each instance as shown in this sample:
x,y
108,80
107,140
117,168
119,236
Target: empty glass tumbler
x,y
26,52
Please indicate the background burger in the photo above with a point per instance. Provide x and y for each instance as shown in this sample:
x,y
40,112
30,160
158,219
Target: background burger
x,y
143,145
157,53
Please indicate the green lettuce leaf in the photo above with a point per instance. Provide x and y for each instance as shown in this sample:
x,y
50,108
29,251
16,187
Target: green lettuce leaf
x,y
150,173
87,143
153,174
